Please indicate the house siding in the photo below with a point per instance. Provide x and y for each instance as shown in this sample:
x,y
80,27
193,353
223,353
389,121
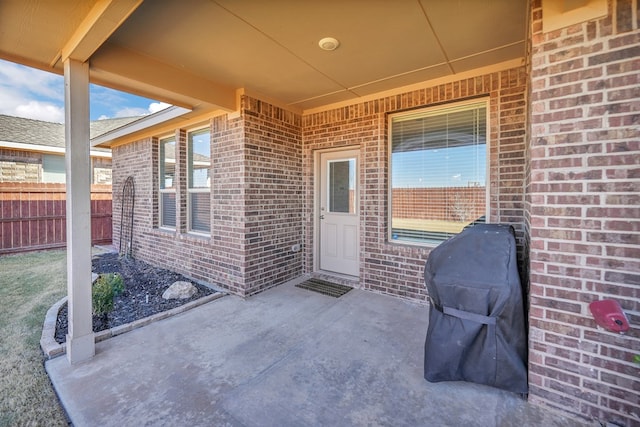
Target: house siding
x,y
583,213
27,167
20,166
255,201
273,194
133,160
263,188
397,269
227,203
563,170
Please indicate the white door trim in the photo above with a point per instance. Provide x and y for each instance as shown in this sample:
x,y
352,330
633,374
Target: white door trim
x,y
349,151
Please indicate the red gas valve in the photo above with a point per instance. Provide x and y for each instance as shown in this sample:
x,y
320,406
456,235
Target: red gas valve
x,y
608,314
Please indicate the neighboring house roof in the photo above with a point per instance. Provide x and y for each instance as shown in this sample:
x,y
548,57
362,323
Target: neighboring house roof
x,y
99,127
37,135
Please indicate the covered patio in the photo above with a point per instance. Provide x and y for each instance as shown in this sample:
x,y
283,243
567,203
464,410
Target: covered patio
x,y
284,357
273,93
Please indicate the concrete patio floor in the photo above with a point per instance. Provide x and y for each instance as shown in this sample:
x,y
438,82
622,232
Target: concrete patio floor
x,y
285,357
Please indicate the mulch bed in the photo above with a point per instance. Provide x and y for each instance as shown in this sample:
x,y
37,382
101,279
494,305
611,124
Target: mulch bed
x,y
142,296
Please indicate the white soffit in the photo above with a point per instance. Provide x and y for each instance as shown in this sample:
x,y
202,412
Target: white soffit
x,y
557,14
197,54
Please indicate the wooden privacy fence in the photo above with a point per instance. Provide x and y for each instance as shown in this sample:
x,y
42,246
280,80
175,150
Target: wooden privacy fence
x,y
33,216
461,204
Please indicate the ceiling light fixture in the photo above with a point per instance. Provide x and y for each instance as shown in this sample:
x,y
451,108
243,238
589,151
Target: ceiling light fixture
x,y
328,43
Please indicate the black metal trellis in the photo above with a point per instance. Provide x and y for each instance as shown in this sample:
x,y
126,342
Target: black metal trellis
x,y
126,218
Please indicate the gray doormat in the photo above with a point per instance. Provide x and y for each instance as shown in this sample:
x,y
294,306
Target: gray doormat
x,y
324,287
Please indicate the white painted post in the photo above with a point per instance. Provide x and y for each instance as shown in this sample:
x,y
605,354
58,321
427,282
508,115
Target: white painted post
x,y
80,339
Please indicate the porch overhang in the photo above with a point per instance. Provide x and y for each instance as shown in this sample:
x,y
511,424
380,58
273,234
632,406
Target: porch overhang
x,y
198,56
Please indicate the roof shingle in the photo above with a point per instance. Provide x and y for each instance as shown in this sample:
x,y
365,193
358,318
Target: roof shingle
x,y
29,131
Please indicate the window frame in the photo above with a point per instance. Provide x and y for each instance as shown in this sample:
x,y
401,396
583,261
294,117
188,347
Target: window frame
x,y
56,176
163,191
189,189
433,110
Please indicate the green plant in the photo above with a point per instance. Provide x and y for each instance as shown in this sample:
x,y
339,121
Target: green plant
x,y
105,289
636,359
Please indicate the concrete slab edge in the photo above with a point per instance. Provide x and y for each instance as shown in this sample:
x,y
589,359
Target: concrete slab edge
x,y
51,348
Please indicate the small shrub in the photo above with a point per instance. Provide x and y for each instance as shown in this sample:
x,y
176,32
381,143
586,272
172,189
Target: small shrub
x,y
116,281
104,290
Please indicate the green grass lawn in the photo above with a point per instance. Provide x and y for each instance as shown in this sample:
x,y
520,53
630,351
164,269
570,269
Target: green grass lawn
x,y
29,284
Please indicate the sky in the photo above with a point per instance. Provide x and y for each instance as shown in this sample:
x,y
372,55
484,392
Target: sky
x,y
464,166
35,94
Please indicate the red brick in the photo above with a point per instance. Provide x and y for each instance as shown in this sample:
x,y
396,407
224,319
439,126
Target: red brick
x,y
607,253
613,212
556,304
623,252
615,55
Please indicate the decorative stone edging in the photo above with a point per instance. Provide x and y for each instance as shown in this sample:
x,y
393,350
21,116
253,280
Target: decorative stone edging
x,y
52,348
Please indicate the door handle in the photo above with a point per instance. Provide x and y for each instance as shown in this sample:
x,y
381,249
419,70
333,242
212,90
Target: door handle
x,y
321,216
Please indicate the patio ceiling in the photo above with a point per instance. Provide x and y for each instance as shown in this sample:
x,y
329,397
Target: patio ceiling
x,y
198,53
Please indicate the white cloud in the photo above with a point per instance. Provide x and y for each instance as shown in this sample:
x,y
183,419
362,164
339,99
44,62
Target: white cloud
x,y
30,93
37,82
154,107
130,112
40,111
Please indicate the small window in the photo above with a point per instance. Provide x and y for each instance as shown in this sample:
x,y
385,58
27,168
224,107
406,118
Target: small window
x,y
167,191
53,169
342,179
438,172
199,181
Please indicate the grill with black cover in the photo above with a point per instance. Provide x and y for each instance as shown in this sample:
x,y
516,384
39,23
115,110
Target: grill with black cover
x,y
476,329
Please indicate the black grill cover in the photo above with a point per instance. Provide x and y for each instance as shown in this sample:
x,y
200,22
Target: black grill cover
x,y
476,327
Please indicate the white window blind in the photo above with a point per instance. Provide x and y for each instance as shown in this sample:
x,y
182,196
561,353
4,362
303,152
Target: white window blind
x,y
167,182
199,181
438,171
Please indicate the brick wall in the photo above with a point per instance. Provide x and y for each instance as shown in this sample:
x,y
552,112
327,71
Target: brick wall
x,y
26,166
227,202
20,166
101,170
192,255
273,194
255,201
394,268
135,160
584,213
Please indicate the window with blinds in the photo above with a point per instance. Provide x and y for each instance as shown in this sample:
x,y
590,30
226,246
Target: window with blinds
x,y
438,172
167,182
199,181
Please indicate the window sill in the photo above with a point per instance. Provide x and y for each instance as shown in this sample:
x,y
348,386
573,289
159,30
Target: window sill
x,y
165,230
187,236
196,235
411,245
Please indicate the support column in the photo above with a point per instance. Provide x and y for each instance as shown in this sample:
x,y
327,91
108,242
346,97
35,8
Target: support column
x,y
80,339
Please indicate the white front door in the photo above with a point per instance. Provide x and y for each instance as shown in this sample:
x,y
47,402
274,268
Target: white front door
x,y
338,217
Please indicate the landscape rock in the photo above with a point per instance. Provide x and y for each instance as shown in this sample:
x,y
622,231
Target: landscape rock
x,y
142,297
179,290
